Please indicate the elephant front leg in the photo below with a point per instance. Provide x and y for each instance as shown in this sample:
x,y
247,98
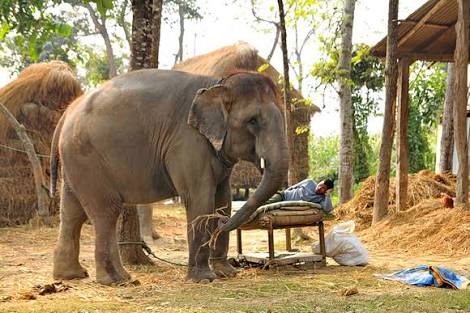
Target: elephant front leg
x,y
218,255
199,233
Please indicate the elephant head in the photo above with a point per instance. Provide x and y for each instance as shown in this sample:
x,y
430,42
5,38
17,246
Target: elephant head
x,y
241,118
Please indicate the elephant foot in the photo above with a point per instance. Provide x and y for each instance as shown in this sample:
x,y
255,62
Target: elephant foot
x,y
222,268
66,267
114,278
62,272
201,275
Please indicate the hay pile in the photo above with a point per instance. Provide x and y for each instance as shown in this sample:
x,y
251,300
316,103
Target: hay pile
x,y
426,228
37,98
421,186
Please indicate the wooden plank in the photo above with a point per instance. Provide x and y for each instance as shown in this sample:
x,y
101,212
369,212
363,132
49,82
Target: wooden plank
x,y
460,99
402,134
428,44
430,25
271,243
321,234
288,240
239,241
422,22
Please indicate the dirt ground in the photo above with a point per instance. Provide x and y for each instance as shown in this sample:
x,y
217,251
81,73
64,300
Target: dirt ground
x,y
26,261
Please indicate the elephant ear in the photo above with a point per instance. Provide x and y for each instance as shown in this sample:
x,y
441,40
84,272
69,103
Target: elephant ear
x,y
209,114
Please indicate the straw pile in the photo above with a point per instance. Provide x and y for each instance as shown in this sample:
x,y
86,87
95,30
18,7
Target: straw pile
x,y
425,228
421,186
37,98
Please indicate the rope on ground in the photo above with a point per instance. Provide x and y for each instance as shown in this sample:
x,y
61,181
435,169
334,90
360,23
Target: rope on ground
x,y
149,251
23,151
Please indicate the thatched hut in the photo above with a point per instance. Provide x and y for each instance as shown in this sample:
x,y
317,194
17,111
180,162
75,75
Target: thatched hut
x,y
222,61
37,98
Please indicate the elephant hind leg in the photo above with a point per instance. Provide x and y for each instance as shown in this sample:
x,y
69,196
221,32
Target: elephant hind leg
x,y
72,217
109,269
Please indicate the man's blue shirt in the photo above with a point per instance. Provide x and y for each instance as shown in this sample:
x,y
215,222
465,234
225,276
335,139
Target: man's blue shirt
x,y
305,190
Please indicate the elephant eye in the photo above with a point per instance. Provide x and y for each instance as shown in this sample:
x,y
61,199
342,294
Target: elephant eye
x,y
253,121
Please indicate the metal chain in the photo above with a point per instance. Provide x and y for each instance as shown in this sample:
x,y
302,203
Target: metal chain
x,y
149,251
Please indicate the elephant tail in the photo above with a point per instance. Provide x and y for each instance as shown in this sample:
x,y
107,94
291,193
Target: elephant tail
x,y
55,155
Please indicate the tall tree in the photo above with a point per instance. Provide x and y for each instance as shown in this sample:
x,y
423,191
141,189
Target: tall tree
x,y
447,142
346,178
147,16
391,75
287,103
99,20
186,10
276,25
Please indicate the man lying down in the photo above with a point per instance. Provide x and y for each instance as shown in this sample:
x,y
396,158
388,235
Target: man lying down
x,y
308,190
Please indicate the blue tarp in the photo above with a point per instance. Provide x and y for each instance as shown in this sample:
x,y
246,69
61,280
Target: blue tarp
x,y
424,275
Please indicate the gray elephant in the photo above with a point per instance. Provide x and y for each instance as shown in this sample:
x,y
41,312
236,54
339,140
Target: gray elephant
x,y
150,135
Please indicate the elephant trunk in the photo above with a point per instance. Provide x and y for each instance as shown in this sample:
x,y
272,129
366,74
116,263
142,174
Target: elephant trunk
x,y
276,165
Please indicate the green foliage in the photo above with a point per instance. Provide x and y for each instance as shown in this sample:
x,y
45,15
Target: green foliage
x,y
427,93
323,157
30,25
190,9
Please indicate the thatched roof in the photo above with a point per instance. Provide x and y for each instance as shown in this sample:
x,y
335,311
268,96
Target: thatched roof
x,y
52,85
427,34
242,55
221,62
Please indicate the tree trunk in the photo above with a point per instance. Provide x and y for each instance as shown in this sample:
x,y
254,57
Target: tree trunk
x,y
447,142
101,27
460,99
287,103
144,54
179,54
402,136
141,34
292,174
383,175
129,236
346,179
156,21
39,179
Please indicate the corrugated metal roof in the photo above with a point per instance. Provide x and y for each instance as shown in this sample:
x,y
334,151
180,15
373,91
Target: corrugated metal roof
x,y
434,40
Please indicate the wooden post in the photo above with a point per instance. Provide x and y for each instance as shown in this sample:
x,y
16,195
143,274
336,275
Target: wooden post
x,y
383,174
460,99
447,141
402,134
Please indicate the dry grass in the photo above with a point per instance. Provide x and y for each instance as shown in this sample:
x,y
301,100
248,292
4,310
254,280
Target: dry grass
x,y
423,185
26,262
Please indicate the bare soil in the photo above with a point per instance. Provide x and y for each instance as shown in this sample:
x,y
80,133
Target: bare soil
x,y
26,267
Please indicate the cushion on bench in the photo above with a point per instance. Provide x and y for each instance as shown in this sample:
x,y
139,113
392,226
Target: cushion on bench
x,y
284,214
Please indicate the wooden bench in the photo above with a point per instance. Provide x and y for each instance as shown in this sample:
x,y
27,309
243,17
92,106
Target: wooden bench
x,y
284,215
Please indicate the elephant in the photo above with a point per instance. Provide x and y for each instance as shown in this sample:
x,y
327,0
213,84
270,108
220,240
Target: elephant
x,y
153,134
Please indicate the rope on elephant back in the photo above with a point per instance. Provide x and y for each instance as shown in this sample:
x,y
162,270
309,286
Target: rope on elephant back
x,y
149,251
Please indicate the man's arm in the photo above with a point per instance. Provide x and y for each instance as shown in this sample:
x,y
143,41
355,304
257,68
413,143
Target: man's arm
x,y
327,204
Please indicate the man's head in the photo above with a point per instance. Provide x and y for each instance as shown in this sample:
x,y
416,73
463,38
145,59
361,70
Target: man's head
x,y
325,186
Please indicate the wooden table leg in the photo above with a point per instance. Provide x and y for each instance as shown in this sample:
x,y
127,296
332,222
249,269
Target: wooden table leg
x,y
239,241
288,240
271,243
321,232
